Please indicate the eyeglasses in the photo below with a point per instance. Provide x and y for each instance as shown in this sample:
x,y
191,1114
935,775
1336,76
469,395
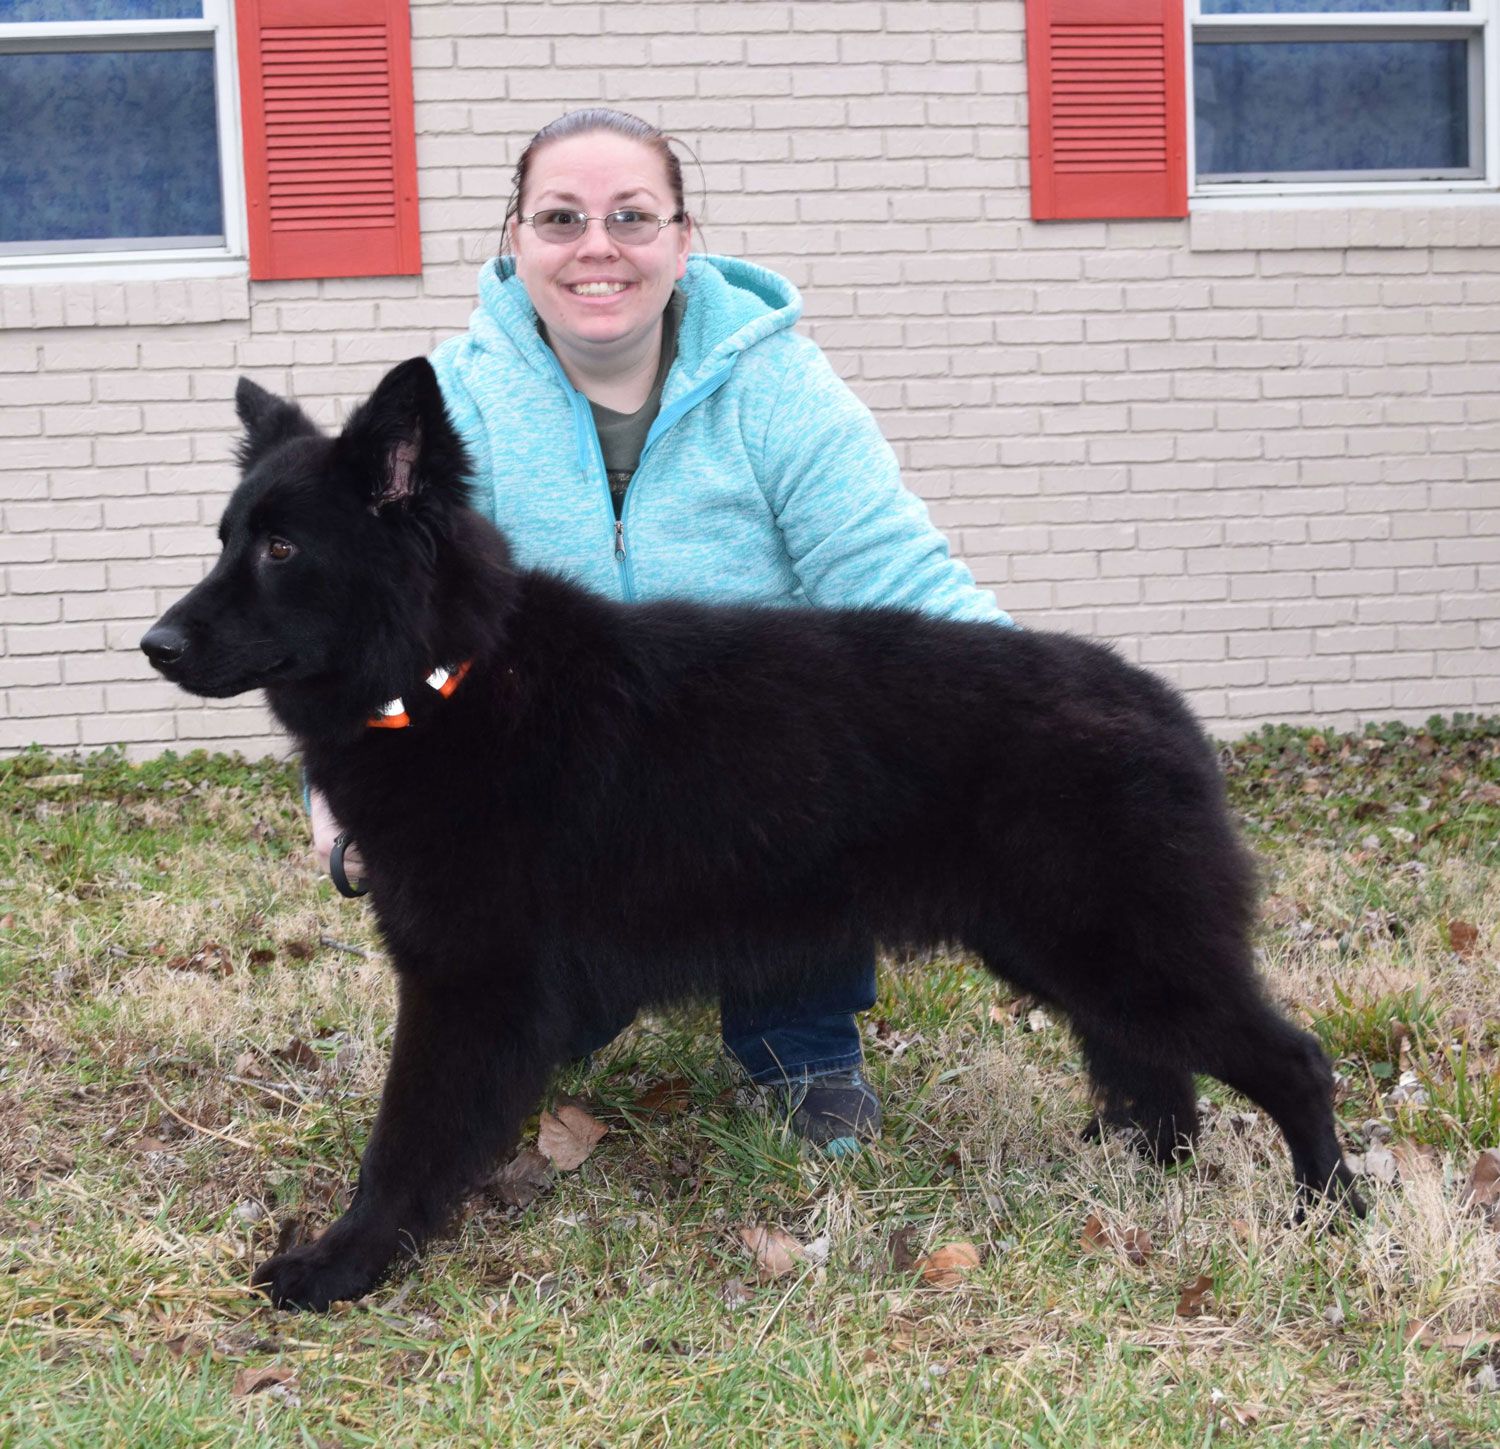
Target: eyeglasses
x,y
632,228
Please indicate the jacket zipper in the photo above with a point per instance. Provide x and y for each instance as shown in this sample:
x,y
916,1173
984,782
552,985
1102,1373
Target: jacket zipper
x,y
588,440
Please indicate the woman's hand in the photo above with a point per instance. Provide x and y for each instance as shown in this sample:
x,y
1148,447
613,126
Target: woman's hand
x,y
325,830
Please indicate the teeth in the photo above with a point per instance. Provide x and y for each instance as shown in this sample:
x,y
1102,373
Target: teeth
x,y
596,289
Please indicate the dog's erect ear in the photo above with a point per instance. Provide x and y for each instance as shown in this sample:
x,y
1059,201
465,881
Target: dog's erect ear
x,y
268,420
400,445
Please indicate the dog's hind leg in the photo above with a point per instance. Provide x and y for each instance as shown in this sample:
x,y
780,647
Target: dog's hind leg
x,y
1156,1100
1282,1070
461,1081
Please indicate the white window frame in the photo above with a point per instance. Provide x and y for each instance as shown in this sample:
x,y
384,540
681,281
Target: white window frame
x,y
1477,23
130,263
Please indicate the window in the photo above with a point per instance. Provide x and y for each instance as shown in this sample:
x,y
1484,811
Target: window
x,y
1345,95
118,131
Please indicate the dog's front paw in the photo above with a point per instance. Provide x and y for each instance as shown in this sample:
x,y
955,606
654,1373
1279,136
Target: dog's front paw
x,y
335,1267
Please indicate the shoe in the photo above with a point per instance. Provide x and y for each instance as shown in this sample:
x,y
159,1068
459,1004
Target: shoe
x,y
835,1112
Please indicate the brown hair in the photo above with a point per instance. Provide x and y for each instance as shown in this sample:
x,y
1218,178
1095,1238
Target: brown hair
x,y
583,123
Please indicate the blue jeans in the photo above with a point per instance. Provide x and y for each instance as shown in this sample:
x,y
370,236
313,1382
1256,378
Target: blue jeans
x,y
810,1035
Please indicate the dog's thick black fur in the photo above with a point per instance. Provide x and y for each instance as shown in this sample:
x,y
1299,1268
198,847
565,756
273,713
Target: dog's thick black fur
x,y
633,804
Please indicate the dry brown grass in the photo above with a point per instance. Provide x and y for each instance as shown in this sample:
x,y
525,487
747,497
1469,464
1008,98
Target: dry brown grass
x,y
158,1123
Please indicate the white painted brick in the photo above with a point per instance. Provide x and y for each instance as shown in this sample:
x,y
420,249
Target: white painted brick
x,y
17,734
53,639
54,578
1298,432
30,609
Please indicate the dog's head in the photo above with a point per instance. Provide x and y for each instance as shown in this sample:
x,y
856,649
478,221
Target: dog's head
x,y
331,550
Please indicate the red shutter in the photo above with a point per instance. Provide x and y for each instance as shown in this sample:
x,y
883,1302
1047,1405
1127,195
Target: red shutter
x,y
1108,108
330,145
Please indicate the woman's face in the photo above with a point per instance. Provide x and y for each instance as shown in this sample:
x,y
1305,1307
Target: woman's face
x,y
598,173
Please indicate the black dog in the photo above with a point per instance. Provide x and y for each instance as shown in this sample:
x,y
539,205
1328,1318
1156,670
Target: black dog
x,y
626,804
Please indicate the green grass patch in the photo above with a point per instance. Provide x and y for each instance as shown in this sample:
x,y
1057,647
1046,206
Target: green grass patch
x,y
193,1029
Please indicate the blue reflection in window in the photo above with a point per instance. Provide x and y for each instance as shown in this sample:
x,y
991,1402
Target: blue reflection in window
x,y
1359,105
30,11
109,144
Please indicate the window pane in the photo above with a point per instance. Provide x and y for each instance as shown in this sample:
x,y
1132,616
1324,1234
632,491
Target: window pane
x,y
1282,107
103,145
1325,7
34,10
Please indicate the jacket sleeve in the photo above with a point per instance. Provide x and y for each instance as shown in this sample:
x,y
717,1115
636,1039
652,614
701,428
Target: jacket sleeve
x,y
855,533
448,362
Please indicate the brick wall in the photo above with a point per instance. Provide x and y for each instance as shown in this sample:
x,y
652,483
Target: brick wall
x,y
1258,450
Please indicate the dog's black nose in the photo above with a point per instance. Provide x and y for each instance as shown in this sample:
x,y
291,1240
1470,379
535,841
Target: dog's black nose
x,y
164,644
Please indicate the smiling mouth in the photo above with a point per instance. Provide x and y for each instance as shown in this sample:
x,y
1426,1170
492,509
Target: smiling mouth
x,y
596,289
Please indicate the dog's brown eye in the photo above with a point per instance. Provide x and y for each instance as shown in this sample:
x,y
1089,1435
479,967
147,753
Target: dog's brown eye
x,y
279,550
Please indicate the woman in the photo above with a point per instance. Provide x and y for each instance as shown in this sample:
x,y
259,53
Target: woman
x,y
647,422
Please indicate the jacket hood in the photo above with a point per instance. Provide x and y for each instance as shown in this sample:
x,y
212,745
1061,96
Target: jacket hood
x,y
730,305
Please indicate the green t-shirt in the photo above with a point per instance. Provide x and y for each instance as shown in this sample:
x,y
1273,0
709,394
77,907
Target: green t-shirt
x,y
623,435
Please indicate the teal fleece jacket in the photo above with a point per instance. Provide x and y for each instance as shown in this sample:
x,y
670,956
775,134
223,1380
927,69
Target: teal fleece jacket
x,y
763,479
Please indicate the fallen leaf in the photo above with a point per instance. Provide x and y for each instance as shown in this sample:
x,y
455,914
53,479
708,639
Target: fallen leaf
x,y
903,1253
522,1178
210,959
253,1380
261,956
568,1136
1378,1162
949,1265
1131,1243
1240,1227
1423,1337
1463,937
297,1053
1484,1180
187,1345
666,1098
735,1294
776,1253
247,1064
1245,1415
152,1144
298,950
1416,1159
1191,1304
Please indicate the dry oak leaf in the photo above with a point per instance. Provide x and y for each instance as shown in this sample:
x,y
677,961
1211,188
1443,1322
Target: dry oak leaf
x,y
210,959
1463,937
903,1253
776,1253
568,1136
522,1178
1131,1243
297,1053
1191,1304
1416,1159
247,1064
949,1265
1484,1180
666,1098
253,1380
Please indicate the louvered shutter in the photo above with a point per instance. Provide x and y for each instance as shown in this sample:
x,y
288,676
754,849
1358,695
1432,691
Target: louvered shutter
x,y
330,146
1108,108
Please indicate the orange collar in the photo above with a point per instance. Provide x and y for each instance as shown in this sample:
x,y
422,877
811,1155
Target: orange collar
x,y
393,715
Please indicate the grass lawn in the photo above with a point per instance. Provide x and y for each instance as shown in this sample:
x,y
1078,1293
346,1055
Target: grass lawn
x,y
193,1029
